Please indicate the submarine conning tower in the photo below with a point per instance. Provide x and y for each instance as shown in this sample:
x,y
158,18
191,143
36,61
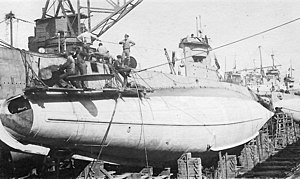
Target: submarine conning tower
x,y
198,60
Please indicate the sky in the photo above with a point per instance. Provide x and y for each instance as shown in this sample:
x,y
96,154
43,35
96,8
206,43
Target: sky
x,y
158,24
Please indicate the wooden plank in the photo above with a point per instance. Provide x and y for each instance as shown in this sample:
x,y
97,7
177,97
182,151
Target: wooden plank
x,y
90,77
36,89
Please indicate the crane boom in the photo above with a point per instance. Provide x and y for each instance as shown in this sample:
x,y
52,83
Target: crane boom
x,y
115,16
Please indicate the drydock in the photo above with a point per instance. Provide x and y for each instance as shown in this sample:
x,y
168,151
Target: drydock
x,y
274,153
69,111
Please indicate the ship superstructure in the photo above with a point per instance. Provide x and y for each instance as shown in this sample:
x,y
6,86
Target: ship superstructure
x,y
56,33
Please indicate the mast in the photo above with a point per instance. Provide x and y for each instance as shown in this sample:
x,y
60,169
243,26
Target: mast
x,y
10,17
200,28
197,30
225,65
11,32
273,64
234,64
291,69
261,67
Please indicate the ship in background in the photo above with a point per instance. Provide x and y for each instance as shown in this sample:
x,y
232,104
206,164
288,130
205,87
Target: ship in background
x,y
287,99
153,122
279,90
264,79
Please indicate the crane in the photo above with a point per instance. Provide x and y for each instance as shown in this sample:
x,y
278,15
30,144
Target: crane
x,y
115,13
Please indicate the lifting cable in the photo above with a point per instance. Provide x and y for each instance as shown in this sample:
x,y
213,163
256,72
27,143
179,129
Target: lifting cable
x,y
105,136
227,44
143,81
139,47
5,44
143,126
290,109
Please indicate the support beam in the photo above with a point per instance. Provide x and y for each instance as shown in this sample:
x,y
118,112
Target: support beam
x,y
68,21
78,17
113,4
89,15
99,8
71,7
45,9
119,13
58,8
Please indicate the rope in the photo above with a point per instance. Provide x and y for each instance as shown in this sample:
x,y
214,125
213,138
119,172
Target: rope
x,y
177,82
290,109
3,21
141,47
23,56
143,81
143,127
105,136
4,44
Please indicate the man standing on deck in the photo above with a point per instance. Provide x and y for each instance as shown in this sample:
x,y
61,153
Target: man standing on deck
x,y
124,72
126,43
68,68
101,49
81,66
87,39
104,53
